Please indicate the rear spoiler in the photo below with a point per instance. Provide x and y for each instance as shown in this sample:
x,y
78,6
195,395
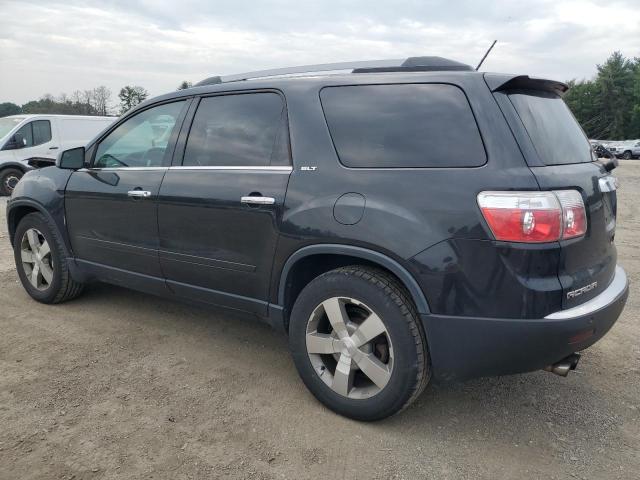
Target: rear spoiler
x,y
500,82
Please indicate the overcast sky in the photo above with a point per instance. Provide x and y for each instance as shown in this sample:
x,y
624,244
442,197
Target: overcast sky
x,y
54,47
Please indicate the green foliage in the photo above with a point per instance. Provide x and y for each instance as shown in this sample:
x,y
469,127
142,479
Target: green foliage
x,y
8,108
130,96
608,106
48,104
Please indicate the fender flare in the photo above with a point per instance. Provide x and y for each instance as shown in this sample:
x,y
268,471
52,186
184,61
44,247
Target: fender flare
x,y
371,255
23,202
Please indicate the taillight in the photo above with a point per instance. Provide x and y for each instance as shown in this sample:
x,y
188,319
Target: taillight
x,y
534,217
574,218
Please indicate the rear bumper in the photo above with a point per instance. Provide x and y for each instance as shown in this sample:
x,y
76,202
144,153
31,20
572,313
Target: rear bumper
x,y
469,347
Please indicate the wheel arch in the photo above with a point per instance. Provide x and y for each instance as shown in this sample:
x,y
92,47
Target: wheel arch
x,y
307,263
20,209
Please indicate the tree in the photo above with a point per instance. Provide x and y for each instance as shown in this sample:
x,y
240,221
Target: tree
x,y
130,96
184,85
608,106
101,96
8,108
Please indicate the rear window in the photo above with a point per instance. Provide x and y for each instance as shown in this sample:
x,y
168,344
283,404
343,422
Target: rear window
x,y
402,126
556,135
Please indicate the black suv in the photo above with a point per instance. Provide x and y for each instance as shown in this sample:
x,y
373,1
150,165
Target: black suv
x,y
401,221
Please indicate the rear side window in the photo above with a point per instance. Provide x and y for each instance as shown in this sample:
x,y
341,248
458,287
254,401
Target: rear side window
x,y
555,133
402,126
241,130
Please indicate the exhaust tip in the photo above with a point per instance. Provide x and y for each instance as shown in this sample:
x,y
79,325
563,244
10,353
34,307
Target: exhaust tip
x,y
564,366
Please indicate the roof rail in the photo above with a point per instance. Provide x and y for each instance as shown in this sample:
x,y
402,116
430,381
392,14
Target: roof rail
x,y
411,64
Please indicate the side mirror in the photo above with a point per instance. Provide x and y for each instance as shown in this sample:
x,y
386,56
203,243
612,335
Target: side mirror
x,y
72,159
17,141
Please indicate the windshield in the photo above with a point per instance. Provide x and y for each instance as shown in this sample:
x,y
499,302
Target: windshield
x,y
555,133
7,124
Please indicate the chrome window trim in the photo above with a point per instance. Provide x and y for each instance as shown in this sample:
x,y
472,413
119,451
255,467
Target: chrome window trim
x,y
118,169
611,293
287,169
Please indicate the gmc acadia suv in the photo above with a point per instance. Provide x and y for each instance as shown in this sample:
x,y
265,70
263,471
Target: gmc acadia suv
x,y
402,221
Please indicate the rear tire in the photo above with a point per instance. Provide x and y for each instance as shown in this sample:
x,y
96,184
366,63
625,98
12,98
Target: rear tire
x,y
41,262
9,178
378,364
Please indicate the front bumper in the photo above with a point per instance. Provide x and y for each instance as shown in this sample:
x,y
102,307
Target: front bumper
x,y
469,347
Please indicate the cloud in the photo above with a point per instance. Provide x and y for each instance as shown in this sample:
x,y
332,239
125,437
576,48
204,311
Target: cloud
x,y
51,47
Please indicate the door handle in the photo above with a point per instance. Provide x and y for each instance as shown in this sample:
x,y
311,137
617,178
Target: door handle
x,y
251,200
138,194
53,148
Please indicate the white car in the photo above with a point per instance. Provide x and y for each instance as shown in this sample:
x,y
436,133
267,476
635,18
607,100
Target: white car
x,y
41,137
626,150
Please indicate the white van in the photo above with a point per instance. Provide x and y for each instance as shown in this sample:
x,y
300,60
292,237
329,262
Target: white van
x,y
41,137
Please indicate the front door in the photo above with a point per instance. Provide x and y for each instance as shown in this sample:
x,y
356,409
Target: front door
x,y
111,207
220,209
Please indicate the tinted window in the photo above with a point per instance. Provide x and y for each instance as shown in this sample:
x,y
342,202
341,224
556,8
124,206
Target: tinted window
x,y
36,132
556,136
41,131
402,126
142,140
238,130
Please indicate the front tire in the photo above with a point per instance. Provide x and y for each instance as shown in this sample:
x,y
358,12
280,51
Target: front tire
x,y
41,262
9,178
358,344
627,155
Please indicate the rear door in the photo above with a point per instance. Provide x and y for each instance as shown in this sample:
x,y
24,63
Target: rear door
x,y
561,157
111,207
220,206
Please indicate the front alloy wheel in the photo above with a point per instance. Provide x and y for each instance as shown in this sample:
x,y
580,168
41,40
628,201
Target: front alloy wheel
x,y
35,254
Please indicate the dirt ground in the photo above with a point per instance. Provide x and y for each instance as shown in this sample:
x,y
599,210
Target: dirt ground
x,y
119,384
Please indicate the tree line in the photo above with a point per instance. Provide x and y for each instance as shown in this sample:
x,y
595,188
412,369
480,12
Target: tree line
x,y
608,106
97,101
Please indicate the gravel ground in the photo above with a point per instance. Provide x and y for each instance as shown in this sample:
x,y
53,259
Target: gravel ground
x,y
118,384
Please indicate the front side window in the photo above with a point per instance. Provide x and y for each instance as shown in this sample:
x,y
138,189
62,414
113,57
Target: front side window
x,y
402,126
243,130
41,131
36,132
142,140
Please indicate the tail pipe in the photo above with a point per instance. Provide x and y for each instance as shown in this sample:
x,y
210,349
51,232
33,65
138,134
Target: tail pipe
x,y
564,366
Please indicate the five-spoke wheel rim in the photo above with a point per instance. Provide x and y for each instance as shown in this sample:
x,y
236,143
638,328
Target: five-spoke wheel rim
x,y
37,263
349,347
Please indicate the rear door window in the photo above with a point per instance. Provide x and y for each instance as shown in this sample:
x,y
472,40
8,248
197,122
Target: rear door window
x,y
240,130
554,132
402,126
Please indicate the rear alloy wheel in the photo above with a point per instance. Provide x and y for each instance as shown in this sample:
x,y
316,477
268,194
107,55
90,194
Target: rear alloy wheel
x,y
358,343
9,178
349,346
